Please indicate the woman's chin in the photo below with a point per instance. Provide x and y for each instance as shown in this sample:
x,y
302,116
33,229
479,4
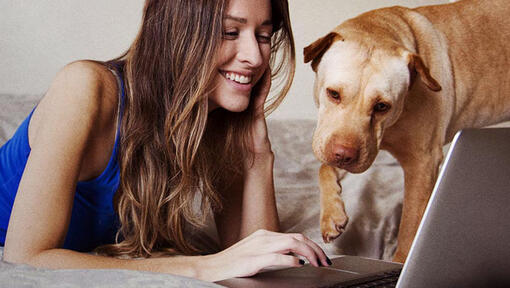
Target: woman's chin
x,y
234,106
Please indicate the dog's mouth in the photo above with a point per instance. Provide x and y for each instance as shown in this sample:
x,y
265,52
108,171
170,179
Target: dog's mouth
x,y
350,167
342,165
345,162
355,155
354,167
354,163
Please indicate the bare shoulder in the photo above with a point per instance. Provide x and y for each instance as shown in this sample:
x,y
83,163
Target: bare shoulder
x,y
84,80
83,90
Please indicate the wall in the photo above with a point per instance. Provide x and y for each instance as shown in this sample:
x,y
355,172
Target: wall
x,y
38,37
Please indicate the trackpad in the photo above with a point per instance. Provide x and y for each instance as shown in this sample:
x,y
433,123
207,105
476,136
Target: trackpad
x,y
362,265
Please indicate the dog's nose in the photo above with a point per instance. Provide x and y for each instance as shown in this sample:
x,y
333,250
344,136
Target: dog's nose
x,y
345,155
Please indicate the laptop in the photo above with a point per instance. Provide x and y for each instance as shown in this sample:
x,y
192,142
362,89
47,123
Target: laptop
x,y
463,239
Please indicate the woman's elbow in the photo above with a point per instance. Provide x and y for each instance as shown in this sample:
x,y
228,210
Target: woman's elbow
x,y
18,255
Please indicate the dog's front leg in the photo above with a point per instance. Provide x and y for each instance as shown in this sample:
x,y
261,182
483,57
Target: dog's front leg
x,y
420,175
333,217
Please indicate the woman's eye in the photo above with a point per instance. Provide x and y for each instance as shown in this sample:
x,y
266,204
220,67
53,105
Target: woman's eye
x,y
381,107
333,94
230,34
264,38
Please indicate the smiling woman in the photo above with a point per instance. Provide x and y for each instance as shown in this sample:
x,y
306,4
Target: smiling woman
x,y
115,154
244,54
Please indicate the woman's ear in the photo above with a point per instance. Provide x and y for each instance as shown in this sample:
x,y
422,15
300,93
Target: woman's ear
x,y
314,51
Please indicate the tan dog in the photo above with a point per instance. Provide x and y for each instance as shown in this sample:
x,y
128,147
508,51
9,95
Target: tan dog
x,y
406,80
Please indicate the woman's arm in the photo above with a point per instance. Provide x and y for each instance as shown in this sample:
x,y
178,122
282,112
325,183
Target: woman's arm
x,y
250,203
259,203
71,136
60,129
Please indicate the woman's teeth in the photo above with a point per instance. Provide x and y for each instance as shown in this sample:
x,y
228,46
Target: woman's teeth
x,y
238,78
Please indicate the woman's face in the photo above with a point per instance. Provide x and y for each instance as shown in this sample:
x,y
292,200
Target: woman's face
x,y
244,53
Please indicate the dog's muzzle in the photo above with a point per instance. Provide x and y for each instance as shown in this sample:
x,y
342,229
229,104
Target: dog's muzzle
x,y
343,156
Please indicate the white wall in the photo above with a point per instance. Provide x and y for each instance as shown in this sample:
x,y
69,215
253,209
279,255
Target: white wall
x,y
39,37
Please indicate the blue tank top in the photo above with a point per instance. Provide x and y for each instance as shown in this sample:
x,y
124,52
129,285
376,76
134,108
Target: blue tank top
x,y
93,220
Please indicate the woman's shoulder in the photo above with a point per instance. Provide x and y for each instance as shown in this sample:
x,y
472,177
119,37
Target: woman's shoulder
x,y
87,88
85,83
92,78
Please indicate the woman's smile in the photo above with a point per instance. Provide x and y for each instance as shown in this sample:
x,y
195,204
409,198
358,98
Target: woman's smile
x,y
239,81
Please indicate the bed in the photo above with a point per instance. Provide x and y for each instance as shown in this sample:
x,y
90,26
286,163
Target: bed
x,y
373,202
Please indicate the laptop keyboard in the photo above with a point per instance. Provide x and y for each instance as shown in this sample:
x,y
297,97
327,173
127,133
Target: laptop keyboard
x,y
382,280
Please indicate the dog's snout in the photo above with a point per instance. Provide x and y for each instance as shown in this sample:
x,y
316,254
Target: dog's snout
x,y
345,155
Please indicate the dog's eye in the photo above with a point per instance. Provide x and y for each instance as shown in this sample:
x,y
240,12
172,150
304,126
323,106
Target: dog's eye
x,y
381,107
333,94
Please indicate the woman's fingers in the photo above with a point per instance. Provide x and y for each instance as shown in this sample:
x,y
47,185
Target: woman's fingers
x,y
301,247
322,257
260,139
277,259
264,248
261,91
295,243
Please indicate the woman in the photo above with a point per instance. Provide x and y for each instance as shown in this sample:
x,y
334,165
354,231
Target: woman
x,y
115,153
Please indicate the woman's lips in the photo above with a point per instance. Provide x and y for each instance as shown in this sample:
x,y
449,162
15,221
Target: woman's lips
x,y
237,80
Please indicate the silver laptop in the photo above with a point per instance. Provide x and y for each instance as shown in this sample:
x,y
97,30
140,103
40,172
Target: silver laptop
x,y
463,239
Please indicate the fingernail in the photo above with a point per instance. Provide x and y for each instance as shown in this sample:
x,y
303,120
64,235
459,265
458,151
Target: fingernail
x,y
301,261
319,262
329,261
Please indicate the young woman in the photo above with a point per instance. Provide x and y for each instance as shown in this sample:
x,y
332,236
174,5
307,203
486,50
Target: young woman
x,y
114,155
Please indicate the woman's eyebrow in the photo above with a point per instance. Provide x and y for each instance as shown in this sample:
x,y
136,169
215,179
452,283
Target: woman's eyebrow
x,y
244,21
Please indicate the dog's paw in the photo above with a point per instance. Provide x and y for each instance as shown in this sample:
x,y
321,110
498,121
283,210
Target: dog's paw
x,y
333,225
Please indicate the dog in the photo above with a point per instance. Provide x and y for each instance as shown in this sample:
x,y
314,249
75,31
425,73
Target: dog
x,y
405,80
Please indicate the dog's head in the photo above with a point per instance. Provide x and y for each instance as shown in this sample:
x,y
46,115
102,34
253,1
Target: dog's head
x,y
360,88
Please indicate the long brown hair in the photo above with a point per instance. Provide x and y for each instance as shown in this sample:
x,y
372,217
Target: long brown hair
x,y
169,149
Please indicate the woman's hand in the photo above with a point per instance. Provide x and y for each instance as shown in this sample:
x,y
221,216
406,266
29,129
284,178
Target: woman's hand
x,y
261,144
260,250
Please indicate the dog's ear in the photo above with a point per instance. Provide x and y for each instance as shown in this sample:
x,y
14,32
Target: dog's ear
x,y
416,65
314,51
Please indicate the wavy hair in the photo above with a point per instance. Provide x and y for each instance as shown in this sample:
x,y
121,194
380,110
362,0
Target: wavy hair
x,y
169,148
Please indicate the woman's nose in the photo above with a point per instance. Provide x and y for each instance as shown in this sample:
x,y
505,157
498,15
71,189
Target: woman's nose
x,y
249,52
